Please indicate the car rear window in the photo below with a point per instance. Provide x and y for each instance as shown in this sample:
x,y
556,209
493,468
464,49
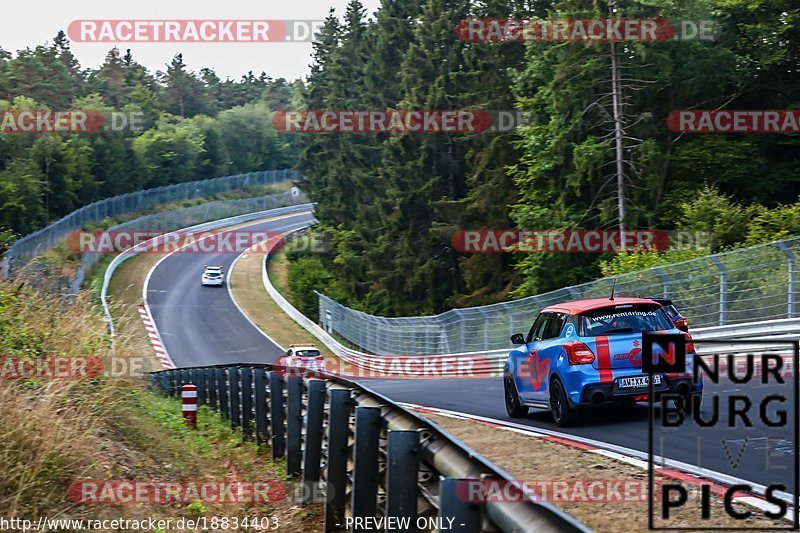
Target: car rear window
x,y
621,319
306,353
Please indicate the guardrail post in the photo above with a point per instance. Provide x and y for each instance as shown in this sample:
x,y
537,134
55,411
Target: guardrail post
x,y
465,515
211,385
313,447
222,387
247,402
236,405
294,424
365,461
341,405
276,416
401,475
181,382
790,296
723,289
260,386
172,381
200,381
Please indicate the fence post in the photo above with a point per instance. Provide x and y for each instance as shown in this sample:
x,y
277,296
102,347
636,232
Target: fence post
x,y
401,474
233,388
664,281
466,515
247,402
313,447
341,405
723,289
276,416
365,461
222,387
211,387
790,297
294,424
260,385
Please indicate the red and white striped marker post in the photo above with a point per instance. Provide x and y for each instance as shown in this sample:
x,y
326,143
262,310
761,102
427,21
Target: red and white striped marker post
x,y
189,399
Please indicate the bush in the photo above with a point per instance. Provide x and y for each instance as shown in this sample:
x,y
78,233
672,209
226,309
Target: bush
x,y
306,275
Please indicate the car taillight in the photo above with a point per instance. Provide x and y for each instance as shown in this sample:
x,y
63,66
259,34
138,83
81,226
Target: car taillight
x,y
689,343
578,353
682,324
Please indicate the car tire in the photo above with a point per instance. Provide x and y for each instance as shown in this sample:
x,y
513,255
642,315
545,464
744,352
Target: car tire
x,y
564,414
513,406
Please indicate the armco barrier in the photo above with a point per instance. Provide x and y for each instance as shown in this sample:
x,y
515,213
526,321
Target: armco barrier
x,y
481,363
754,284
359,452
214,224
491,361
38,242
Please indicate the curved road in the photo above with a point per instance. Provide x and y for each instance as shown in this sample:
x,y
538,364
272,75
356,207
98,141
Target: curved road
x,y
202,325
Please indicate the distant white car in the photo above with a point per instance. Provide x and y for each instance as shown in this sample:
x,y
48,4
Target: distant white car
x,y
213,276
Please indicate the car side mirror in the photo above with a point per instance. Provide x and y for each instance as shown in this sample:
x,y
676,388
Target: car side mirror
x,y
517,338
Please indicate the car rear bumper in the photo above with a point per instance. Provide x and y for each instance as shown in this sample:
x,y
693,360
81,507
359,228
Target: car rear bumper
x,y
599,393
212,283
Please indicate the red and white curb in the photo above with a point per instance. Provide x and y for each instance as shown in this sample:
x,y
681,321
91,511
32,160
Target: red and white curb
x,y
155,338
686,474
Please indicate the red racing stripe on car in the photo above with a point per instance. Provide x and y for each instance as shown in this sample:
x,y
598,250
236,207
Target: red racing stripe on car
x,y
603,359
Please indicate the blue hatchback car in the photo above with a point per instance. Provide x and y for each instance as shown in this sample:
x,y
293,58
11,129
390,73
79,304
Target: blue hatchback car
x,y
589,352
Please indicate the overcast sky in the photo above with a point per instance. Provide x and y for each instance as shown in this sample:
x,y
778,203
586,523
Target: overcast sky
x,y
29,23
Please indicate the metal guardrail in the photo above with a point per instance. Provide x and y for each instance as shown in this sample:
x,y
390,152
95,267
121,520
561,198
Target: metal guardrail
x,y
490,362
214,224
490,365
38,242
739,287
363,454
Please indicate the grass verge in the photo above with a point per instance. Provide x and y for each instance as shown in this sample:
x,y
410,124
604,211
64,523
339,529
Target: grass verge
x,y
58,432
535,459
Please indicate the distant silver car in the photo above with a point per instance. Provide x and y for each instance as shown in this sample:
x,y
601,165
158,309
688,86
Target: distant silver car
x,y
212,276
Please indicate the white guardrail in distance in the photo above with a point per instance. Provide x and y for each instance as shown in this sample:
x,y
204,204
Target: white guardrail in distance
x,y
214,224
490,363
480,364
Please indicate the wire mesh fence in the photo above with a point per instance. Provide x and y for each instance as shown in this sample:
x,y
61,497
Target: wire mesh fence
x,y
757,283
34,244
190,216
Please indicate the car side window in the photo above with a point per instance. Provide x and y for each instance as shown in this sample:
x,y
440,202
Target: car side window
x,y
554,326
538,327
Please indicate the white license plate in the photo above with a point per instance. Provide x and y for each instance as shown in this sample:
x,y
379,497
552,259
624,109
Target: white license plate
x,y
638,382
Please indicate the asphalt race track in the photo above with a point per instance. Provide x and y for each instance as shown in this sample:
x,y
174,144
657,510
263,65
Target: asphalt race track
x,y
627,426
202,326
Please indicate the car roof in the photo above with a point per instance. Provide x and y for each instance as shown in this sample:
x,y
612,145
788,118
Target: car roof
x,y
303,347
213,268
581,306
